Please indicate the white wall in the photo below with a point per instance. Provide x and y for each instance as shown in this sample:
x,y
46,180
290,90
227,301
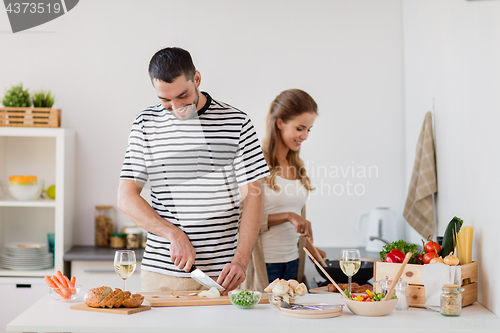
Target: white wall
x,y
347,54
452,66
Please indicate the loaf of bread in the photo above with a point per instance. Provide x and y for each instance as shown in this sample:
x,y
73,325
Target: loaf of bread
x,y
133,301
105,297
94,297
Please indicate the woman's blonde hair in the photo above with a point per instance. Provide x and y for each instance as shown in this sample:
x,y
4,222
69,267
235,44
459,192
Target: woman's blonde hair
x,y
286,106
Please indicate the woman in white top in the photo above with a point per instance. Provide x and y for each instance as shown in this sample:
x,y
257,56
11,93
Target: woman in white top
x,y
289,121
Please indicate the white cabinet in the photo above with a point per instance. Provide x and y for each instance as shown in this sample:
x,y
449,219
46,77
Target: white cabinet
x,y
47,153
93,274
18,294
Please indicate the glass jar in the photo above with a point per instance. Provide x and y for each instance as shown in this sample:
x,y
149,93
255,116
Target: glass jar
x,y
104,217
451,300
118,241
400,289
133,237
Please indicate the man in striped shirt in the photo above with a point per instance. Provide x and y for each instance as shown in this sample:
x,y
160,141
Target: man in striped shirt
x,y
201,157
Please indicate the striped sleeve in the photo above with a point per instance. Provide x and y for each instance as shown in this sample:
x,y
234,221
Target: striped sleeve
x,y
249,162
134,165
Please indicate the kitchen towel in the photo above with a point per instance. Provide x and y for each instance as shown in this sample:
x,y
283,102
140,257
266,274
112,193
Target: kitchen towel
x,y
419,208
435,276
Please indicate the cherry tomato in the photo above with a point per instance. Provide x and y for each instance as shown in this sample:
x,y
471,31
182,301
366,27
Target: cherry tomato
x,y
428,257
420,259
430,248
400,256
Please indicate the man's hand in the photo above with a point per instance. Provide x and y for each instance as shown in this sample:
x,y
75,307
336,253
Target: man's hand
x,y
231,277
182,252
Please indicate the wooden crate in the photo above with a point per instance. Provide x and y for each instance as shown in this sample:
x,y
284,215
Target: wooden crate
x,y
30,117
416,291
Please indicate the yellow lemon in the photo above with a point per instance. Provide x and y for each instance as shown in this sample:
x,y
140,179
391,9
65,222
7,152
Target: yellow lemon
x,y
51,192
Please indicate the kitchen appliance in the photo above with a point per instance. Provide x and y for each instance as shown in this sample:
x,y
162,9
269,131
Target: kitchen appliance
x,y
382,228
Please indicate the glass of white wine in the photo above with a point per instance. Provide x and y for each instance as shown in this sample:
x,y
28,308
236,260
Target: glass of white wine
x,y
350,262
124,264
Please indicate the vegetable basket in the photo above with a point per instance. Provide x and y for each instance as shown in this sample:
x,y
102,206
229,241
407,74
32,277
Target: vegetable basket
x,y
413,275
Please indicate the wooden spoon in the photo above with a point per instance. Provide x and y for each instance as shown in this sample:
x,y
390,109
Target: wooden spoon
x,y
398,275
321,260
326,274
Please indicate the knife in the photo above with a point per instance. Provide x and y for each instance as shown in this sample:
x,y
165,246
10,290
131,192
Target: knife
x,y
203,279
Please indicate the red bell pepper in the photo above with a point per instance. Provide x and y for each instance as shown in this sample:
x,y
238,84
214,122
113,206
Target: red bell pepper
x,y
391,258
400,256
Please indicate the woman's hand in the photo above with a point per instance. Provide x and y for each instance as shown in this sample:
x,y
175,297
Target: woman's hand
x,y
302,226
321,253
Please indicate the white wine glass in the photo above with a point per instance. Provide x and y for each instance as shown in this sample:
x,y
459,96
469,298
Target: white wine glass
x,y
350,262
125,264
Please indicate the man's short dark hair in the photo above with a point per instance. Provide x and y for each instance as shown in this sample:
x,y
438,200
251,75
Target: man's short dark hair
x,y
170,63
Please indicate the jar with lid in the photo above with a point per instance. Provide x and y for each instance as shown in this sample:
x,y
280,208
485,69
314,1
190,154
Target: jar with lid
x,y
104,219
400,289
451,300
118,241
133,237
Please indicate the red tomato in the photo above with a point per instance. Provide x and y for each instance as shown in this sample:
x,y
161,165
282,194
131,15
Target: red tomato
x,y
400,256
428,257
430,248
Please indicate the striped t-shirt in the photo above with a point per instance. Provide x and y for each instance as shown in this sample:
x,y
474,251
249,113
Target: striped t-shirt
x,y
195,167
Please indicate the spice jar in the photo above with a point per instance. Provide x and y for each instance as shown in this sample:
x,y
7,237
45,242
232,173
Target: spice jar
x,y
104,217
451,300
401,295
118,241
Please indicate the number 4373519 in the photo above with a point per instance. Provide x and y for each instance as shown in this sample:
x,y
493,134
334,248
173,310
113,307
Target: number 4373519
x,y
33,7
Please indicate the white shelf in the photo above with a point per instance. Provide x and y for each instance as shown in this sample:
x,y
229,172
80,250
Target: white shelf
x,y
32,203
31,131
28,273
47,153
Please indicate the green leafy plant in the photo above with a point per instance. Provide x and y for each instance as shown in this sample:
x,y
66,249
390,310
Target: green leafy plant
x,y
43,99
403,246
16,96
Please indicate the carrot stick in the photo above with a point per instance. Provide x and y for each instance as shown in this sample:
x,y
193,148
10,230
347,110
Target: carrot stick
x,y
61,278
70,286
50,282
73,281
61,287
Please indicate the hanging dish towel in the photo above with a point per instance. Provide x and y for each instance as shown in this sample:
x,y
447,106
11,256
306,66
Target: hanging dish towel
x,y
419,208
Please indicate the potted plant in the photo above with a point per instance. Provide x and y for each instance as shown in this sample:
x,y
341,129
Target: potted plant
x,y
18,110
43,99
16,96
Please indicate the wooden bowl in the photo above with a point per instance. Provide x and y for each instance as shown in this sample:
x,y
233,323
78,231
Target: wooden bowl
x,y
380,308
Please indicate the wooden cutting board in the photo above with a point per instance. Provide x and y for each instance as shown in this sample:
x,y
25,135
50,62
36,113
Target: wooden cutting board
x,y
125,311
165,298
321,290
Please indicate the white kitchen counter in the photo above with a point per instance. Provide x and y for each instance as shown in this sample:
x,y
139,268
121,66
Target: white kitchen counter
x,y
49,315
